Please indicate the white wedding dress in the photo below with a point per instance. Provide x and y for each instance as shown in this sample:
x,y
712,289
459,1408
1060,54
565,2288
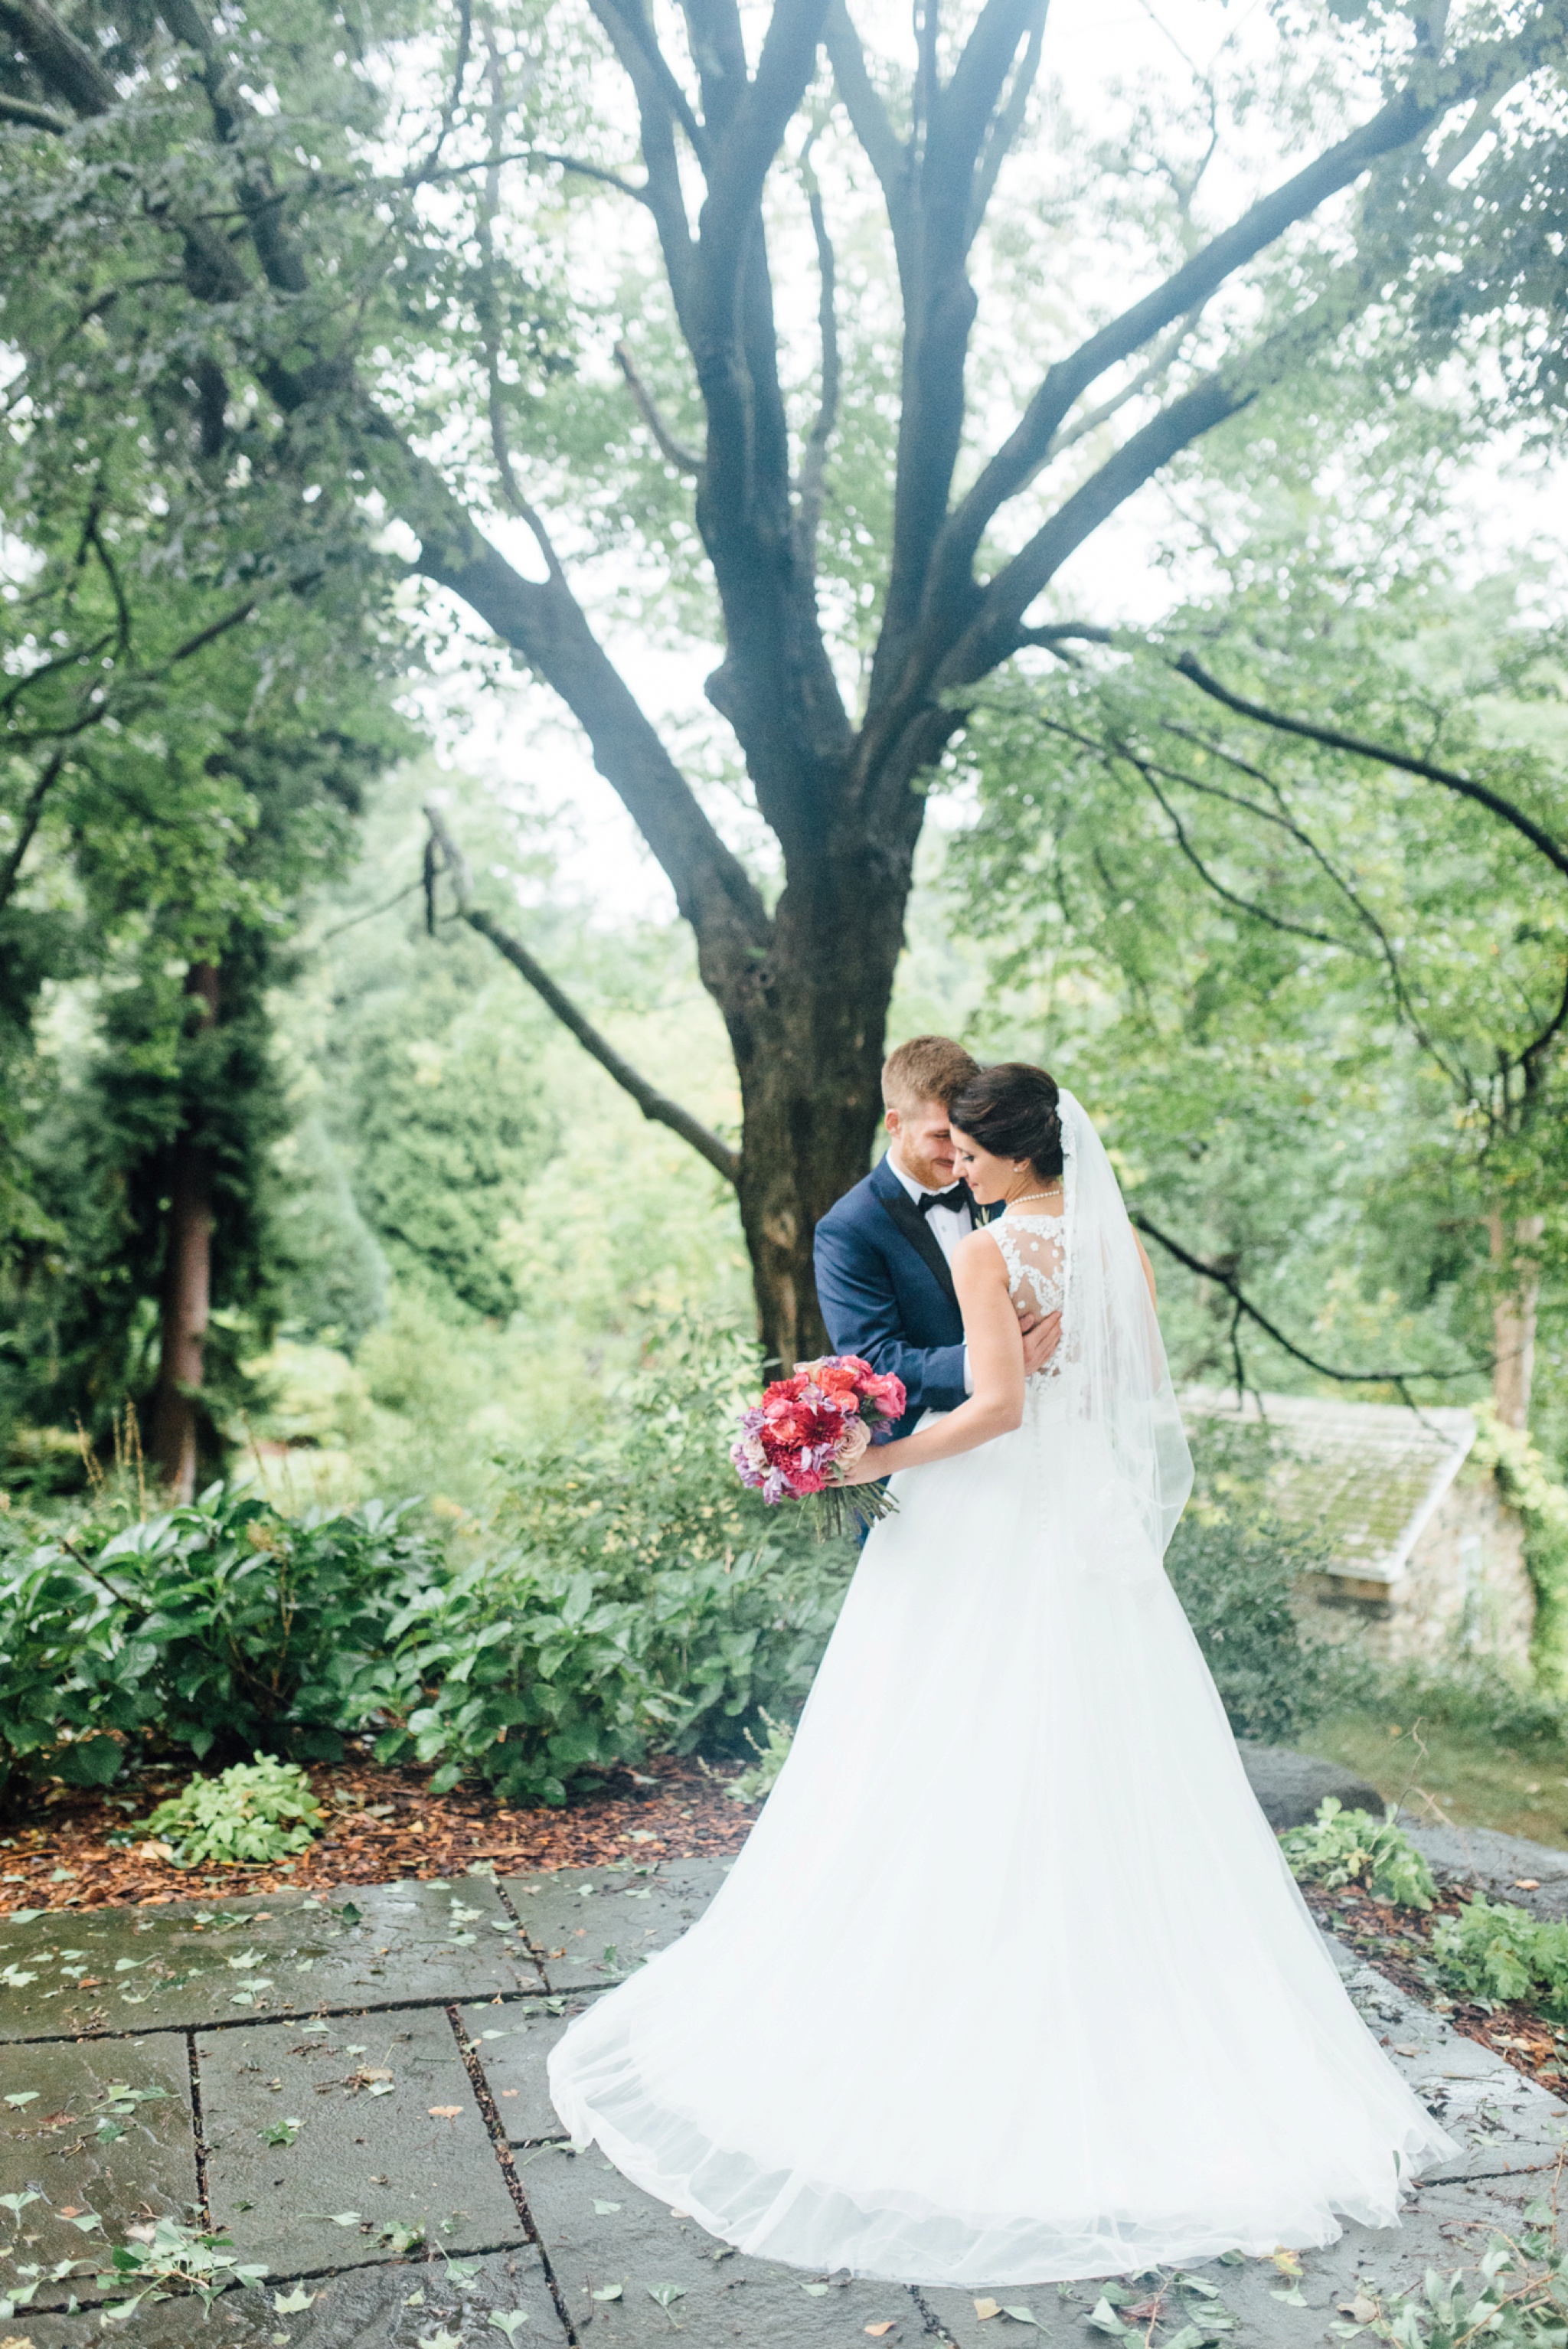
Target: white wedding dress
x,y
1010,1981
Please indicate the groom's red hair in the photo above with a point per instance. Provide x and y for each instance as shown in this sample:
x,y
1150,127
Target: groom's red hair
x,y
926,1069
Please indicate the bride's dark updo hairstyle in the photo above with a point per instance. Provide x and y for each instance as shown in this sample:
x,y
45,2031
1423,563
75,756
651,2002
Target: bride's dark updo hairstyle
x,y
1011,1111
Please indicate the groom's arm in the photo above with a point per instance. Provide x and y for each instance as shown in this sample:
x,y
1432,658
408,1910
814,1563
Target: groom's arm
x,y
855,1291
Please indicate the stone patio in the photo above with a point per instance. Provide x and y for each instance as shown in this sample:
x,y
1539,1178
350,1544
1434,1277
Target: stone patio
x,y
354,2090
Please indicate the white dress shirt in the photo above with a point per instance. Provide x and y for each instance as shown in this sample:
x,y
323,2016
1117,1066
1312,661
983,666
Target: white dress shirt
x,y
948,1226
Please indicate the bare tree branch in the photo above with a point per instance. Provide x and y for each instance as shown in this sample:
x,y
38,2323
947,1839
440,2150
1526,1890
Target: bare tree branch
x,y
1227,1281
653,1103
814,463
1151,775
673,452
718,46
36,118
48,776
630,30
1402,119
961,148
755,131
1556,854
1004,132
663,194
993,631
885,152
59,58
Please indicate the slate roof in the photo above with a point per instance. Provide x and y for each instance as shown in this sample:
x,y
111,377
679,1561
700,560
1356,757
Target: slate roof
x,y
1371,1475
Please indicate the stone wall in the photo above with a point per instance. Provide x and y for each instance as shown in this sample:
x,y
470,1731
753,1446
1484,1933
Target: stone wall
x,y
1465,1584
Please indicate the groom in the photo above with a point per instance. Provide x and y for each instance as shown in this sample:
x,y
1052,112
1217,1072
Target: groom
x,y
883,1251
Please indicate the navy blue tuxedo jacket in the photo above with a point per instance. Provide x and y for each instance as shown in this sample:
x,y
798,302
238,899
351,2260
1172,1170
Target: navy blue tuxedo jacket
x,y
887,1295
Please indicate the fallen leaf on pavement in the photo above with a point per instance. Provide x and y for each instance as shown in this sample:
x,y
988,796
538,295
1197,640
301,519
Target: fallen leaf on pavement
x,y
985,2308
444,2112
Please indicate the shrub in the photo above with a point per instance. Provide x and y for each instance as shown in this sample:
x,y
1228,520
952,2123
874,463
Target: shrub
x,y
535,1675
1493,1950
252,1624
220,1626
1235,1567
242,1815
1340,1847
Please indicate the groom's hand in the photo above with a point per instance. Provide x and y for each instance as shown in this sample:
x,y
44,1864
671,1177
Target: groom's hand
x,y
1040,1335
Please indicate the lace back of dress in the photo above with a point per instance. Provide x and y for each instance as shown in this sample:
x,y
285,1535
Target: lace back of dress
x,y
1033,1250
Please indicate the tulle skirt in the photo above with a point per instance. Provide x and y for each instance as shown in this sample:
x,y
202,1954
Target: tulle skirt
x,y
1010,1981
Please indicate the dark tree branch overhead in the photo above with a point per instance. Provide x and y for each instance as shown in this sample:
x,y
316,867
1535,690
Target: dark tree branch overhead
x,y
1464,786
1232,1289
653,1103
673,452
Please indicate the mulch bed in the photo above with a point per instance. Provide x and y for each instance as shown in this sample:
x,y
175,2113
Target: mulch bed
x,y
384,1825
1395,1941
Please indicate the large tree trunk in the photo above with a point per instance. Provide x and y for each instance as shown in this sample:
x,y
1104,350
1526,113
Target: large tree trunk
x,y
1514,1316
186,1291
809,1032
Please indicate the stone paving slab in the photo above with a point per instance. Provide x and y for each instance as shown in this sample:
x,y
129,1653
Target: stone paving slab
x,y
589,1926
368,2150
1533,1875
602,2235
513,2044
1447,2225
82,2150
191,1963
1290,1786
1504,2120
373,2308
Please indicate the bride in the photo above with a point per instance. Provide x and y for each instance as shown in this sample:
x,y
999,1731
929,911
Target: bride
x,y
1010,1981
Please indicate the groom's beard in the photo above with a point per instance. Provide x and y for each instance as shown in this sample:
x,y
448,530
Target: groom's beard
x,y
926,1171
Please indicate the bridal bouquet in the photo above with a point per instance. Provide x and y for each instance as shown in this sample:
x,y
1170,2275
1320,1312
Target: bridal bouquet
x,y
807,1429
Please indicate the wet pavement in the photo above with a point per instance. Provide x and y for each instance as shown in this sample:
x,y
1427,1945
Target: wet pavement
x,y
352,2090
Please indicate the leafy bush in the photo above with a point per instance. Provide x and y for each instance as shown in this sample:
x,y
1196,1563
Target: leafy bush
x,y
1340,1847
220,1626
535,1675
242,1815
1493,1950
248,1626
645,1597
1235,1567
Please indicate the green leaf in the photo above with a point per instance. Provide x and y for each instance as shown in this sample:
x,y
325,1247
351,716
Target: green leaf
x,y
1104,2318
606,2291
294,2303
512,2321
1293,2298
667,2294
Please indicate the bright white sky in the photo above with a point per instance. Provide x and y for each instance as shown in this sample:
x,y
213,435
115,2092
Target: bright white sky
x,y
515,736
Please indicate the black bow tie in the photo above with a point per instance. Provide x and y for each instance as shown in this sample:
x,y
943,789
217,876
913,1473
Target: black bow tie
x,y
958,1196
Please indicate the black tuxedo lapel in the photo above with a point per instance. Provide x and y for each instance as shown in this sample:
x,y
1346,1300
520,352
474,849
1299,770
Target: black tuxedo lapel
x,y
898,1203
